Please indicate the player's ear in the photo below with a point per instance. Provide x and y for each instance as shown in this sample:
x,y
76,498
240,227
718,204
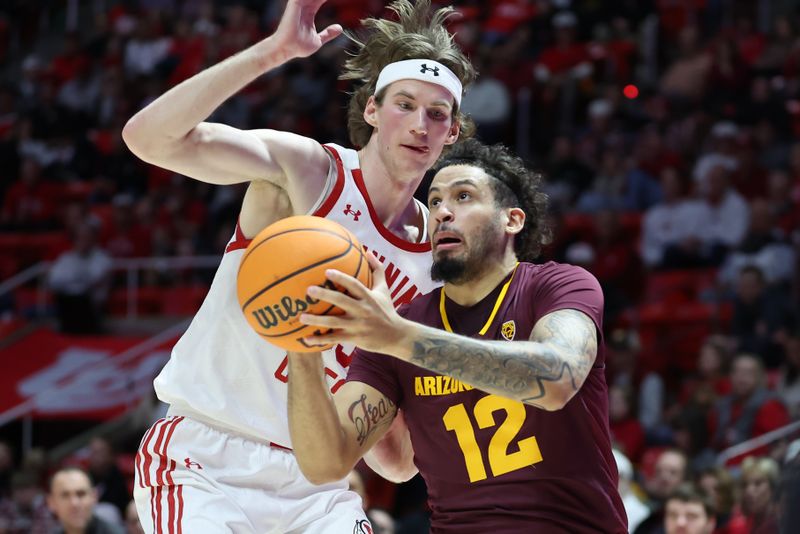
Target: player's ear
x,y
515,220
452,135
371,112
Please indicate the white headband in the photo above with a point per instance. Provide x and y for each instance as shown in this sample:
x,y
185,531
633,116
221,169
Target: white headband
x,y
425,70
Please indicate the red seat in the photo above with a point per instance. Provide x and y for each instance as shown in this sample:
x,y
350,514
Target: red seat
x,y
673,287
148,301
183,300
671,334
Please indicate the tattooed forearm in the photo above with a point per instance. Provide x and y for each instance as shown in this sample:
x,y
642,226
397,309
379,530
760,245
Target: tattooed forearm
x,y
367,418
493,367
542,372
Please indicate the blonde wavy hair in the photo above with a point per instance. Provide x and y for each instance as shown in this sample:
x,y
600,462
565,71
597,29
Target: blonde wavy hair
x,y
417,34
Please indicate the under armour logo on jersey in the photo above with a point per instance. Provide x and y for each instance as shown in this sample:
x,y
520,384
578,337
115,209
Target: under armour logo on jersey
x,y
362,527
189,463
349,211
424,68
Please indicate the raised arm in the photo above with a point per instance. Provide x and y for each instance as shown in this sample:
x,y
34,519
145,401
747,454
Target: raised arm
x,y
170,131
330,434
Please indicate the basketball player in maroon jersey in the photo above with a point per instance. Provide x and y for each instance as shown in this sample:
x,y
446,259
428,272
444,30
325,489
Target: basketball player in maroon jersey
x,y
500,373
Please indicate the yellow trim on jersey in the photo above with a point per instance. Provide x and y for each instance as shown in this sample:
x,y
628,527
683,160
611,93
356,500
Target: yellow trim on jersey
x,y
500,297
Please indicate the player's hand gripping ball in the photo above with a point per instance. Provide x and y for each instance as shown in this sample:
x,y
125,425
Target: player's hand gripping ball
x,y
281,262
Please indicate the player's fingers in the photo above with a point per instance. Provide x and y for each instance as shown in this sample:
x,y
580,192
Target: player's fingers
x,y
330,33
328,338
327,321
337,298
351,284
378,271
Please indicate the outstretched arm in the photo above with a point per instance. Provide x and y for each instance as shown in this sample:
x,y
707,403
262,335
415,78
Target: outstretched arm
x,y
331,433
170,131
546,371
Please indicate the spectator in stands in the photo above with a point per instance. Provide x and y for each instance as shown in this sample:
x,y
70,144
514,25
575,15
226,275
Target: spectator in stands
x,y
784,209
72,500
626,431
29,202
675,222
616,264
106,476
720,486
568,176
764,245
488,102
688,511
25,512
670,471
609,186
762,317
759,485
635,509
79,279
788,386
712,379
750,410
722,223
684,80
132,523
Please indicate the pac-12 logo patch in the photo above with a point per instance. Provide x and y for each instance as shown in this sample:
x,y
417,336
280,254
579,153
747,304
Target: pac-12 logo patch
x,y
362,527
508,330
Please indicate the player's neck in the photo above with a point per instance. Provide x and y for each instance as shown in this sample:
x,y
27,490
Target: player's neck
x,y
473,291
391,196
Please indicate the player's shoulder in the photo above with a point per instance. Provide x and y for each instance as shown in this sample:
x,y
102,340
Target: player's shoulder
x,y
419,305
347,157
555,272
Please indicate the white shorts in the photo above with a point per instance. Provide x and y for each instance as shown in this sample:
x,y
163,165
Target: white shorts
x,y
194,479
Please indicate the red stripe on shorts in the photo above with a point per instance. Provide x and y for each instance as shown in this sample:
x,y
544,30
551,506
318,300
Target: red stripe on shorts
x,y
180,510
153,492
148,458
157,526
163,453
157,455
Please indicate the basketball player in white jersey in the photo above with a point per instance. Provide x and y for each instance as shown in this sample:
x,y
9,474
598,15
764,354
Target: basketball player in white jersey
x,y
221,460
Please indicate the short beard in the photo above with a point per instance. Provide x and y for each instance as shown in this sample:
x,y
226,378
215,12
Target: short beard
x,y
449,270
473,264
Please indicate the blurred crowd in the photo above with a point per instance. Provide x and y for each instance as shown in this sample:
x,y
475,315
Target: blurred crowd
x,y
668,132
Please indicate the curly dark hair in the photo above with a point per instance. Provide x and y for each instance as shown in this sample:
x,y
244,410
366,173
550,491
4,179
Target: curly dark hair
x,y
513,186
417,34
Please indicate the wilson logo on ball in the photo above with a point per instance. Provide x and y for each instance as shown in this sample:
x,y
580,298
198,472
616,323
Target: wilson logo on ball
x,y
287,309
279,266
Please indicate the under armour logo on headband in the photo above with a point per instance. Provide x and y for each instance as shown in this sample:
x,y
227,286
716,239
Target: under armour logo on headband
x,y
424,68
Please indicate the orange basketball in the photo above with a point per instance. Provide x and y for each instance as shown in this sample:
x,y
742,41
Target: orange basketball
x,y
285,259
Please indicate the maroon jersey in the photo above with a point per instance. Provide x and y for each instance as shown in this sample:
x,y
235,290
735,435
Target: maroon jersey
x,y
496,465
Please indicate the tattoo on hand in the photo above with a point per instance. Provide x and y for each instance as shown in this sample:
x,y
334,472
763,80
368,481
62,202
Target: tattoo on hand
x,y
367,418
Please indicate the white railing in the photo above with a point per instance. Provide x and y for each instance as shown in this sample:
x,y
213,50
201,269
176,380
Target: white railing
x,y
131,266
757,442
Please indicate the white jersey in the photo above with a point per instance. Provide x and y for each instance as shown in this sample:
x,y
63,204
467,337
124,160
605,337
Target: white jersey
x,y
223,374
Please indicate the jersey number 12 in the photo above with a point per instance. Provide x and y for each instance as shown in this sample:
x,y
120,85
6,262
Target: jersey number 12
x,y
457,419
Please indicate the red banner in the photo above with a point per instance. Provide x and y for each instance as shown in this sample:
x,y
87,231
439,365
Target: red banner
x,y
50,375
